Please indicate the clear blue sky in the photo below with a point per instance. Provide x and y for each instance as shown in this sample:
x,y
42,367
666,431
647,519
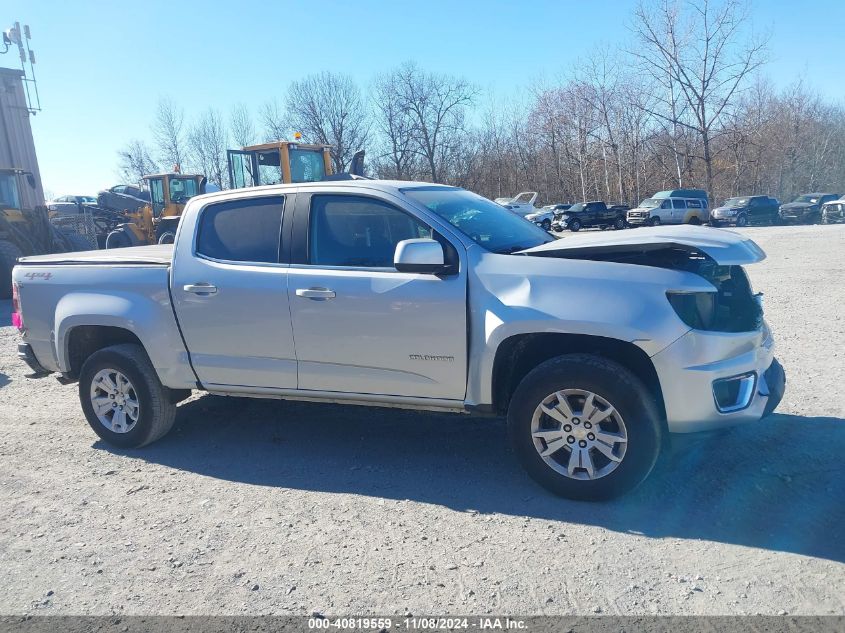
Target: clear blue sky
x,y
102,66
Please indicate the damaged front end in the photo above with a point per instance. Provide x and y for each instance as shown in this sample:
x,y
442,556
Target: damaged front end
x,y
722,371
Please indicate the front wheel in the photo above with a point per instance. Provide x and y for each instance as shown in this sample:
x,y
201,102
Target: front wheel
x,y
546,224
655,221
619,224
741,220
575,226
584,427
122,397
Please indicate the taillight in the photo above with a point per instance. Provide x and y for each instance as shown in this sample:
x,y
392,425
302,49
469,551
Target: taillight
x,y
17,316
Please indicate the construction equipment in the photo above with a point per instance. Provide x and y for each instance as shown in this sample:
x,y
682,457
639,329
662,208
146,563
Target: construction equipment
x,y
25,231
157,221
278,162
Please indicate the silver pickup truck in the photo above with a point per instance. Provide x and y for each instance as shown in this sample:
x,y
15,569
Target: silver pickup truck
x,y
414,295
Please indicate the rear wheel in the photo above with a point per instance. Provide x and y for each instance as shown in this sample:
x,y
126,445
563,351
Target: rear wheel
x,y
584,427
122,397
118,239
9,254
694,221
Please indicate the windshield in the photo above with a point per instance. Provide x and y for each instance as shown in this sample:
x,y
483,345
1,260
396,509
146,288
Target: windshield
x,y
736,202
651,203
485,222
306,165
575,208
9,191
807,198
182,189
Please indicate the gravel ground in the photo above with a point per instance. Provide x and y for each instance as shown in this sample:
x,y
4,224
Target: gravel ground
x,y
263,507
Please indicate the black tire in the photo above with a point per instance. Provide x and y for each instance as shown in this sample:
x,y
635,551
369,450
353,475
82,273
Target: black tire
x,y
741,220
609,381
546,224
694,221
655,221
118,239
619,224
575,225
76,242
157,411
9,254
715,223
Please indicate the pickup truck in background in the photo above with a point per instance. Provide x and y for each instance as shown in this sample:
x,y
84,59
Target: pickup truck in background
x,y
591,214
420,296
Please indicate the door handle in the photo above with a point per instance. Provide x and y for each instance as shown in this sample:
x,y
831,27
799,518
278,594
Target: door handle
x,y
200,289
315,293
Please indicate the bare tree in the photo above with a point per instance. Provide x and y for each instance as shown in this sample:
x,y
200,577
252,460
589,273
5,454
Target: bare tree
x,y
241,125
135,162
700,44
273,121
437,105
169,133
208,140
394,128
328,108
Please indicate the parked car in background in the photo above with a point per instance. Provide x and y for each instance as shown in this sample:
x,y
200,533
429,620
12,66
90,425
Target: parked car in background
x,y
521,204
123,198
546,215
745,210
590,214
68,205
677,206
806,208
833,212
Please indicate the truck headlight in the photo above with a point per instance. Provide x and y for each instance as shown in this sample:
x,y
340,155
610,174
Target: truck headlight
x,y
696,309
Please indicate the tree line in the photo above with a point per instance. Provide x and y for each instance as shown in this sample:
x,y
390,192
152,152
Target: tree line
x,y
684,104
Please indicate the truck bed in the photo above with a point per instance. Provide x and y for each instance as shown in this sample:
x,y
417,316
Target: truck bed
x,y
156,255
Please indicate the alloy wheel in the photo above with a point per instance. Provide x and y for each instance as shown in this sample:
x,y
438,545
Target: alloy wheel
x,y
579,434
115,401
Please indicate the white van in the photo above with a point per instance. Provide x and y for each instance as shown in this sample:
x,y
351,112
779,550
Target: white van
x,y
678,206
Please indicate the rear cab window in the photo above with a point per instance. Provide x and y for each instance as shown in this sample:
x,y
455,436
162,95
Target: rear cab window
x,y
246,230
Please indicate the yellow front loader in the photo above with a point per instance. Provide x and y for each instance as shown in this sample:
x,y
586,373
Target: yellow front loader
x,y
156,222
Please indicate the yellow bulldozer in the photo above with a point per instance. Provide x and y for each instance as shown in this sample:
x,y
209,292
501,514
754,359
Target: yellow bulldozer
x,y
25,231
285,162
156,222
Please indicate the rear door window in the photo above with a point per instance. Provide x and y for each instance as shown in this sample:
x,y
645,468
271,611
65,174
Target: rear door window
x,y
679,204
246,230
694,204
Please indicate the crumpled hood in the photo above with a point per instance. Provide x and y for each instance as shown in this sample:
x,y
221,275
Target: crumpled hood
x,y
724,247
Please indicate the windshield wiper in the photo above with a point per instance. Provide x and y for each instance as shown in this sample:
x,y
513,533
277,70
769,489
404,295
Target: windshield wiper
x,y
509,250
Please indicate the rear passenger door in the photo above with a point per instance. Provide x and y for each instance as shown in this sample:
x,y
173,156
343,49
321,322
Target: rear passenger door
x,y
230,293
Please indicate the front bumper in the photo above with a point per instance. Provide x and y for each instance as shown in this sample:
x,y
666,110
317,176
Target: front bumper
x,y
798,215
26,354
690,366
638,220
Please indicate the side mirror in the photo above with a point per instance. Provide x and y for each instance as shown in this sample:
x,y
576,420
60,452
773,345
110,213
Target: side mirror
x,y
422,255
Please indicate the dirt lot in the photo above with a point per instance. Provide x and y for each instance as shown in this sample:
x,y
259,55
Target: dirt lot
x,y
272,507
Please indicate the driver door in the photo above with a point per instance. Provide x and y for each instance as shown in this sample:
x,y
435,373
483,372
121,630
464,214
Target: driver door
x,y
360,325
